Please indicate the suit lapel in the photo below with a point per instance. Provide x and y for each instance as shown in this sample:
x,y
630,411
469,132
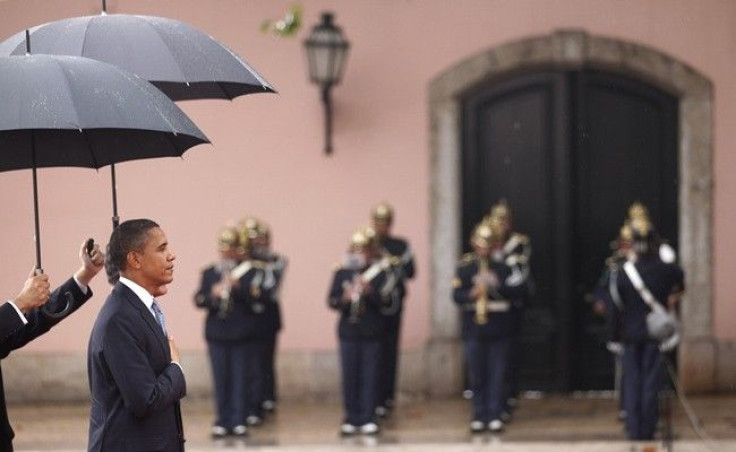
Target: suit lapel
x,y
147,317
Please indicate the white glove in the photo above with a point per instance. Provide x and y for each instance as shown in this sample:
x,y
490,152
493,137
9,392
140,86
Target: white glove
x,y
670,343
615,347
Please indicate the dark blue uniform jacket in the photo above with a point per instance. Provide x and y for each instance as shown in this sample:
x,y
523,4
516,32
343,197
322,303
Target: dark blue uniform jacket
x,y
246,319
499,323
370,324
661,279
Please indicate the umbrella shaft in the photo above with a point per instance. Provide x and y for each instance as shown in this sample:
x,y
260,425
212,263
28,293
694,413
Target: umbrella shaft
x,y
35,212
115,217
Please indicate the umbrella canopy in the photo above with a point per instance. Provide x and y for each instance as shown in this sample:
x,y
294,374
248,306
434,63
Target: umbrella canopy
x,y
180,60
73,111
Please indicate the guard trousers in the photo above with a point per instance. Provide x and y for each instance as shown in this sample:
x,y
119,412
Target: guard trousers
x,y
359,359
229,374
642,367
487,362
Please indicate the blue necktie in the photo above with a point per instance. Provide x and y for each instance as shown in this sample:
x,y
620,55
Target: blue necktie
x,y
159,315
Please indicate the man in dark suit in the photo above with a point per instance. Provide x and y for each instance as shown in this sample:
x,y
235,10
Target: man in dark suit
x,y
132,364
22,319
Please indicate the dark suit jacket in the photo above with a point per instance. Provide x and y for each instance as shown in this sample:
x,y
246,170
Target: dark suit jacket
x,y
14,334
135,388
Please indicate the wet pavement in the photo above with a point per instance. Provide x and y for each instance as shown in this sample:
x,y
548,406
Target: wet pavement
x,y
550,423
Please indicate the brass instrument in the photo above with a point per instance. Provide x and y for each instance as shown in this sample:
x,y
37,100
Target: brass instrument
x,y
226,300
481,303
356,295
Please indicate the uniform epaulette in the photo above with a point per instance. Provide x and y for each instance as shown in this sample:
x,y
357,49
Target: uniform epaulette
x,y
516,259
467,258
522,238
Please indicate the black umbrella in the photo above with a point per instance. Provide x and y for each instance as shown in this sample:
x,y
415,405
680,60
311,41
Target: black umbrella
x,y
180,60
73,111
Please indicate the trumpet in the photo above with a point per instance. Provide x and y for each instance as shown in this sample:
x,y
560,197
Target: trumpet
x,y
356,294
226,301
481,303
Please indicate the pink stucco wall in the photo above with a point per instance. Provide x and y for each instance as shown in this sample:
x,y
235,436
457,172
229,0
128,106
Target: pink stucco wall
x,y
266,158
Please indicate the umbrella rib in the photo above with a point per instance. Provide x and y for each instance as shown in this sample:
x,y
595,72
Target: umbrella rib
x,y
165,44
89,150
62,69
222,87
85,34
78,119
170,139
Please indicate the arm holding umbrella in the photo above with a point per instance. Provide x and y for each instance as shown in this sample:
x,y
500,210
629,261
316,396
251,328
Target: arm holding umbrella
x,y
26,316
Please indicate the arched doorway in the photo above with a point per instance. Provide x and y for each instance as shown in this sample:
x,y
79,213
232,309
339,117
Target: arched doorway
x,y
568,52
570,150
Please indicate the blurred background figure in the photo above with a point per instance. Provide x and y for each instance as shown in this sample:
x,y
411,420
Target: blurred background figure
x,y
606,300
483,288
399,260
274,266
224,340
646,284
356,295
515,251
231,294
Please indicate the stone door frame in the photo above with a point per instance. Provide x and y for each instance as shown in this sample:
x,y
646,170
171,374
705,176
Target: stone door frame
x,y
573,49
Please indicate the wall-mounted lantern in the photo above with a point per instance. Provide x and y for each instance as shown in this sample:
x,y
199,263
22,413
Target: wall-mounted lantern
x,y
327,50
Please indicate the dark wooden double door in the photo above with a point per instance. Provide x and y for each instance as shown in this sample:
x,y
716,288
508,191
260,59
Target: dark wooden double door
x,y
570,151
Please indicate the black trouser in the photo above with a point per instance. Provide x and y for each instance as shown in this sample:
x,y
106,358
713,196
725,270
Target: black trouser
x,y
359,359
269,367
254,376
514,357
389,363
228,361
642,362
487,361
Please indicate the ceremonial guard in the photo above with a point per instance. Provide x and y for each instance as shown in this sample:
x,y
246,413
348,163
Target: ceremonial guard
x,y
515,252
604,304
646,290
274,266
356,294
230,291
483,290
397,256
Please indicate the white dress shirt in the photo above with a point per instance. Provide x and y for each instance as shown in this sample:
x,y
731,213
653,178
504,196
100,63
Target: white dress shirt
x,y
146,298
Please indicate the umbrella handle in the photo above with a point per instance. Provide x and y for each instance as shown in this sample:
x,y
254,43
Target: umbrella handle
x,y
68,308
70,303
45,310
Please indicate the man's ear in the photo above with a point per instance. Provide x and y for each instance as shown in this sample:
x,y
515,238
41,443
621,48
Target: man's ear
x,y
132,260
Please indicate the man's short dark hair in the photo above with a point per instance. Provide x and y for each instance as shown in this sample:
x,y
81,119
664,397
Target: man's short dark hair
x,y
129,236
